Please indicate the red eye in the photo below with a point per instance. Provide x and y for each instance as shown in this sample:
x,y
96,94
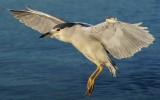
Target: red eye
x,y
58,29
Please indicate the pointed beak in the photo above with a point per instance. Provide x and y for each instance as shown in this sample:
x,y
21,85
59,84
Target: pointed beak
x,y
45,35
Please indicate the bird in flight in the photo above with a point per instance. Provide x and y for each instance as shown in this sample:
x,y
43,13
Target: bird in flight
x,y
95,42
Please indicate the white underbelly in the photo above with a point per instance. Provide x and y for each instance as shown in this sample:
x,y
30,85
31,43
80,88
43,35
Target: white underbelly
x,y
89,47
93,50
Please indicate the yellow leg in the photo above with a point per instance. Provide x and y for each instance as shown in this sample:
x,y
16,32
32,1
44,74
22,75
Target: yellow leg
x,y
94,73
91,80
90,83
99,72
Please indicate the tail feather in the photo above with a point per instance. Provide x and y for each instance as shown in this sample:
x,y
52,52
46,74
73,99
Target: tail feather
x,y
112,67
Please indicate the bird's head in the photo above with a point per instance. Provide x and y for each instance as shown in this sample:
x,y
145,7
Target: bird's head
x,y
61,31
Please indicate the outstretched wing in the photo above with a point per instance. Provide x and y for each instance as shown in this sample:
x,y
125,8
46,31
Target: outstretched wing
x,y
121,39
37,20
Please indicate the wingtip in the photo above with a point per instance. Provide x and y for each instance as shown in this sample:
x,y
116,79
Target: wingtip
x,y
11,10
138,24
29,7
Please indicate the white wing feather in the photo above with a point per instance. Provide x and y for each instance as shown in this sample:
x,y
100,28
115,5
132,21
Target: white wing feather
x,y
37,20
121,39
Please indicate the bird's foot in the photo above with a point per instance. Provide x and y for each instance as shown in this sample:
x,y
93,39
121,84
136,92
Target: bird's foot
x,y
90,87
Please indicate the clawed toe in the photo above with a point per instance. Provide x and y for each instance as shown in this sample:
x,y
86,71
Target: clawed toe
x,y
90,87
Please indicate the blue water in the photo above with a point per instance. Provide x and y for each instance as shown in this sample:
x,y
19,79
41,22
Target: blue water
x,y
47,69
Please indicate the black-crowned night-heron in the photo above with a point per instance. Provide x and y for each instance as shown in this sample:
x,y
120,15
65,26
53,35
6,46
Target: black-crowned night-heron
x,y
114,37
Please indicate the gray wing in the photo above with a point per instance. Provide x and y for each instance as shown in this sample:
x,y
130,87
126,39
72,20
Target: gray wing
x,y
37,20
121,39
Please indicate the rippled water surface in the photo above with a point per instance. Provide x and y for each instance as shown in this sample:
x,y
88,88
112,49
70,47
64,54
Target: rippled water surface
x,y
47,69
